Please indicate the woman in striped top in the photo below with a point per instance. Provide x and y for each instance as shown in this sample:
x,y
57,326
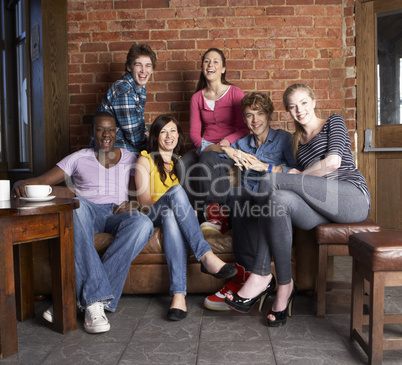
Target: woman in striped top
x,y
328,189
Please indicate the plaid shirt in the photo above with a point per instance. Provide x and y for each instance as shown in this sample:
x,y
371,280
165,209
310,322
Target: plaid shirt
x,y
127,103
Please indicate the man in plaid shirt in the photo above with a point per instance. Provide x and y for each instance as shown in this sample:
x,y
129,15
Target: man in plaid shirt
x,y
126,98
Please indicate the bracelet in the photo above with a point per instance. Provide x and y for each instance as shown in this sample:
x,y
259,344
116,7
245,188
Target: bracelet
x,y
270,168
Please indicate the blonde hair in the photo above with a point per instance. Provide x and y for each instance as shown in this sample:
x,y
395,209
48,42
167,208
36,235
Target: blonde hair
x,y
299,128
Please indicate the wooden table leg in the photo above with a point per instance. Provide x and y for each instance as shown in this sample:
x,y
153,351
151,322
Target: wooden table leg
x,y
24,281
322,279
376,324
356,315
8,320
63,276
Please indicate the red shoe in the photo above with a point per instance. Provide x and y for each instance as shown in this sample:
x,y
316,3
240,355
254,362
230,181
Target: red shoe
x,y
216,302
217,220
212,211
213,227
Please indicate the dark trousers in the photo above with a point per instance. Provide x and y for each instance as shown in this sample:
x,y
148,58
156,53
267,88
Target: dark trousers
x,y
204,177
244,225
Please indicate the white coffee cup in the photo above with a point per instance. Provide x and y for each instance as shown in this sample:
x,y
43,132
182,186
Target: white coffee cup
x,y
4,190
38,191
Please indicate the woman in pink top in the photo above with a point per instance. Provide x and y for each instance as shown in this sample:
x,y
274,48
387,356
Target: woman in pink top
x,y
215,118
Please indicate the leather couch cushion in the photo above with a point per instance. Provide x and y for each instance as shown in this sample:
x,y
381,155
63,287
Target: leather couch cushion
x,y
338,233
380,251
153,250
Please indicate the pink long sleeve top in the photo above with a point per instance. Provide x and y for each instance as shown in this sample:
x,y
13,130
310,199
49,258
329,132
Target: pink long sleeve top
x,y
226,121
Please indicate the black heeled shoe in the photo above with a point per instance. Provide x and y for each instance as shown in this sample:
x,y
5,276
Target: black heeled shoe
x,y
281,316
227,271
245,305
175,314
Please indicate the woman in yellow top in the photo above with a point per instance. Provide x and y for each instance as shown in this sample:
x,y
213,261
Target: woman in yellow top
x,y
166,204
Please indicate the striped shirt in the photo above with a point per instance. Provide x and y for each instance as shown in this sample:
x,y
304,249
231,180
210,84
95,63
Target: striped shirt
x,y
127,103
333,139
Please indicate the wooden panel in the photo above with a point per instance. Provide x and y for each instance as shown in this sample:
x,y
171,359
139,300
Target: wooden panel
x,y
366,90
26,229
8,320
55,80
381,6
388,136
23,274
63,277
389,183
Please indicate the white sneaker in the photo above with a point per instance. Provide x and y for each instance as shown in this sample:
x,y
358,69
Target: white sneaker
x,y
95,319
48,314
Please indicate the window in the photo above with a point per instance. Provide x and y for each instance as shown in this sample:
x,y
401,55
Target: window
x,y
21,53
389,56
16,124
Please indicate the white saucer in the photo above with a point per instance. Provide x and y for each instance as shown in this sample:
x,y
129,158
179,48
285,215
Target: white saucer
x,y
44,199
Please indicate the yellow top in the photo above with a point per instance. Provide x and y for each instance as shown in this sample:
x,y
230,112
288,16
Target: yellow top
x,y
156,185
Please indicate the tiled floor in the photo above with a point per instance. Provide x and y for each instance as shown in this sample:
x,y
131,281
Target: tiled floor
x,y
140,334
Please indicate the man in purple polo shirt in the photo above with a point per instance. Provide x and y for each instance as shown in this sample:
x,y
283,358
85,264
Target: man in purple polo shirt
x,y
100,178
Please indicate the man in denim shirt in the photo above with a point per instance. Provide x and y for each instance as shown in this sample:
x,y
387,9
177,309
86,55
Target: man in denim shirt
x,y
125,99
264,151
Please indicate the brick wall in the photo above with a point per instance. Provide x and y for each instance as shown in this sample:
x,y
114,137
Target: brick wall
x,y
269,44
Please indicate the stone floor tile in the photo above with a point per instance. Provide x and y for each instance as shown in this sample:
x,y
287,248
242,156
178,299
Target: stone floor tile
x,y
29,353
160,329
83,353
236,329
236,352
305,328
140,353
301,352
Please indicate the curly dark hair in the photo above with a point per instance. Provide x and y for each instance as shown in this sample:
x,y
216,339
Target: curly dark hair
x,y
153,145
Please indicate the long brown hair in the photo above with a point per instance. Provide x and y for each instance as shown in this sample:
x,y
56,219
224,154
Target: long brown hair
x,y
153,145
299,128
202,82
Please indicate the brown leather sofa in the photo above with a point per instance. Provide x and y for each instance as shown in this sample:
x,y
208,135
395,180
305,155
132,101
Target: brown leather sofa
x,y
148,273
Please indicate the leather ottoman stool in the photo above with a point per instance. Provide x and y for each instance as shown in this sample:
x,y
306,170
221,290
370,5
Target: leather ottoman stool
x,y
333,240
377,257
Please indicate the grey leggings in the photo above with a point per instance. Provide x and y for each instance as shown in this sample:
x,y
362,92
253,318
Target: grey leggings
x,y
303,201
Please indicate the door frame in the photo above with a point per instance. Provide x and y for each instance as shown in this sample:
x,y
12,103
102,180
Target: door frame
x,y
366,90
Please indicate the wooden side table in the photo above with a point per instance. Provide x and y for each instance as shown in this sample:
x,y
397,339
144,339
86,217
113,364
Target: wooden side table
x,y
21,224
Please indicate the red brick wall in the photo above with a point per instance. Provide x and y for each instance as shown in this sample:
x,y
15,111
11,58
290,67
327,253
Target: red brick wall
x,y
269,44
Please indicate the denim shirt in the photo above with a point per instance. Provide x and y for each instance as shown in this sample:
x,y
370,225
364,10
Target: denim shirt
x,y
277,150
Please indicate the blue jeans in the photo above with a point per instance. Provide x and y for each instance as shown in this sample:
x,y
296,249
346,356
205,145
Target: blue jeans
x,y
181,232
102,280
303,201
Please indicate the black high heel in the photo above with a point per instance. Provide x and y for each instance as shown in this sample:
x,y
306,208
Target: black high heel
x,y
281,317
227,271
245,305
